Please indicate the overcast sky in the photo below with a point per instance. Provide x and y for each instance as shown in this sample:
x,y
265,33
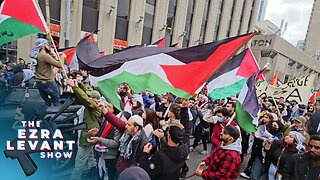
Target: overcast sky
x,y
295,12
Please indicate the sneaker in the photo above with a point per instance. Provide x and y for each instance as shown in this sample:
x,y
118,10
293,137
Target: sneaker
x,y
204,152
188,157
244,175
184,172
191,149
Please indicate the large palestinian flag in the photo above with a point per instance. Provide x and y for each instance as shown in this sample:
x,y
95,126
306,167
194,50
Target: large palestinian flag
x,y
230,78
247,107
19,18
158,70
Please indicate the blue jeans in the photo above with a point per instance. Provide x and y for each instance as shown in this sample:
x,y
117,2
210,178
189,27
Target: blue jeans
x,y
257,170
49,88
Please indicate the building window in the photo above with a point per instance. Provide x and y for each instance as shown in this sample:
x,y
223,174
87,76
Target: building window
x,y
122,19
299,66
291,62
271,54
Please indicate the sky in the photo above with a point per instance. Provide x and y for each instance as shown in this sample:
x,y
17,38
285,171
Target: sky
x,y
295,12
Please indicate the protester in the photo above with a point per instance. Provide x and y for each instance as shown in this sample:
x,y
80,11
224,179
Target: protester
x,y
134,173
44,56
132,141
224,162
22,63
194,114
202,129
306,165
137,105
280,151
163,110
106,150
149,122
17,77
258,154
29,79
123,92
223,119
166,163
91,114
299,126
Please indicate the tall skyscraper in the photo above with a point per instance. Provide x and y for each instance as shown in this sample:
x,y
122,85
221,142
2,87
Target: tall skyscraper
x,y
312,41
262,10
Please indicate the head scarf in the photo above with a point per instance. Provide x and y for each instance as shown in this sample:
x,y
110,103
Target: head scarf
x,y
299,138
28,74
139,98
40,43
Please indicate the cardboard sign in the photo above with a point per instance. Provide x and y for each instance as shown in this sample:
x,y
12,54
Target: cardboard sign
x,y
297,89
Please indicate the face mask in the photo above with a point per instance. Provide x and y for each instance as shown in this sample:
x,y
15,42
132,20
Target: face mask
x,y
220,119
287,104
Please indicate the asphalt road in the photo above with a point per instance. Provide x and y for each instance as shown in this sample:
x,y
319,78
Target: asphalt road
x,y
196,158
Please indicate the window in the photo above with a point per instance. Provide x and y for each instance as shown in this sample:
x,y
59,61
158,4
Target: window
x,y
265,53
299,66
291,62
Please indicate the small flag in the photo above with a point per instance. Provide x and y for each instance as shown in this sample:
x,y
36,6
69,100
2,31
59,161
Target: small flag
x,y
274,80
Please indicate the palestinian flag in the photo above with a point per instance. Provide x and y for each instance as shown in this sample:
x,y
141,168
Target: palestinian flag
x,y
158,70
274,80
247,107
160,43
231,77
315,96
175,45
19,18
71,58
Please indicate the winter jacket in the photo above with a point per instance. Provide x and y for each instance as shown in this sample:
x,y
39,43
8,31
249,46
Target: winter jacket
x,y
137,147
299,167
112,143
273,156
199,128
91,113
224,162
165,163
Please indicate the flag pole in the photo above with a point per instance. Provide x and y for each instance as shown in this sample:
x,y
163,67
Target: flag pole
x,y
270,89
49,36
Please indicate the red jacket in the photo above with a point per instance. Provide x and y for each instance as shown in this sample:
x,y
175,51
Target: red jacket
x,y
217,129
222,164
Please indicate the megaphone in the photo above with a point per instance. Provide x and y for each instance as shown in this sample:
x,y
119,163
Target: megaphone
x,y
263,133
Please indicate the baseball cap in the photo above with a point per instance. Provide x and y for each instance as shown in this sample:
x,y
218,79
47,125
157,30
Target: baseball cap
x,y
94,93
300,119
137,119
232,131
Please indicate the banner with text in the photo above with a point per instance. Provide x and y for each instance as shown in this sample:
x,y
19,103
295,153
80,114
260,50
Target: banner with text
x,y
297,89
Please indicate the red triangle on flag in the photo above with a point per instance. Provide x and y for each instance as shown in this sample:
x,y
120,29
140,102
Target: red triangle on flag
x,y
25,11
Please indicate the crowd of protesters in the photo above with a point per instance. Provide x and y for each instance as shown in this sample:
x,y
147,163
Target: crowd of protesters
x,y
149,137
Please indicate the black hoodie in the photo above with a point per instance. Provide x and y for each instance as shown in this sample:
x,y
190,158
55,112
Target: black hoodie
x,y
165,163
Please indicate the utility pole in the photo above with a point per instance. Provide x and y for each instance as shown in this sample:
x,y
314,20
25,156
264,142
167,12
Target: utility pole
x,y
67,32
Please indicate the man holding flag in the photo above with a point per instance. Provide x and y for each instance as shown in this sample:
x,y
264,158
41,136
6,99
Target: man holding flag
x,y
43,59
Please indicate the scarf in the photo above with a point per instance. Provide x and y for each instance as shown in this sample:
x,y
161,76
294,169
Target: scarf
x,y
125,147
103,132
28,74
40,43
